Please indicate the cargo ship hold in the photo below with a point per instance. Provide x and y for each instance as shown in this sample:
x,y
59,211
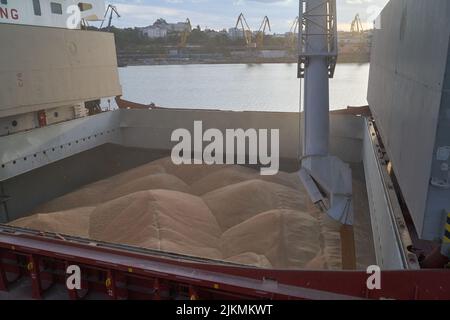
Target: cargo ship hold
x,y
358,189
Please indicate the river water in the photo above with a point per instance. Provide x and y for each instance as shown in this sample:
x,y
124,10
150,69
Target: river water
x,y
240,87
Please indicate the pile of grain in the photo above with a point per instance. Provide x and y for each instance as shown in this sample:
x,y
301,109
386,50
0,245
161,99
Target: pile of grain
x,y
224,212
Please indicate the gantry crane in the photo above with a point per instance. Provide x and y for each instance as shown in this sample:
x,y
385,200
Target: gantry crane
x,y
111,10
185,34
262,32
247,32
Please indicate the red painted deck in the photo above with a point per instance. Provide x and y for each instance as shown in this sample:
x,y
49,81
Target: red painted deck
x,y
130,274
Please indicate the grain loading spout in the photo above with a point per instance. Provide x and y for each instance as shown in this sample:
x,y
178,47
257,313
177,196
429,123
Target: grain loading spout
x,y
327,179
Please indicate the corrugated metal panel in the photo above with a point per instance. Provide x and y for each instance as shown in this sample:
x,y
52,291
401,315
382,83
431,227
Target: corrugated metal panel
x,y
408,65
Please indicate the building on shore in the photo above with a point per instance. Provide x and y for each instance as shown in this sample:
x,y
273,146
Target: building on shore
x,y
154,32
161,28
235,33
350,42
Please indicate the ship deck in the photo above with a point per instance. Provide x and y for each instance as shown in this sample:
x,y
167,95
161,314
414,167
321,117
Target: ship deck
x,y
101,146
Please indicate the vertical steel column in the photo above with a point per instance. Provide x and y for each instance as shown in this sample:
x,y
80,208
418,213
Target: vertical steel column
x,y
317,61
156,288
317,104
3,202
36,285
111,284
3,279
446,238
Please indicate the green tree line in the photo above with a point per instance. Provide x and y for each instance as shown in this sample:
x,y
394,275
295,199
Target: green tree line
x,y
131,40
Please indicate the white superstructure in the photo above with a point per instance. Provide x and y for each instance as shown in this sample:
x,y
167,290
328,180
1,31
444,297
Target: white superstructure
x,y
51,13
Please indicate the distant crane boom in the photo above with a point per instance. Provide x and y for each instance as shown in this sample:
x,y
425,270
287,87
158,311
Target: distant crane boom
x,y
111,10
357,26
185,34
262,32
293,32
247,32
358,32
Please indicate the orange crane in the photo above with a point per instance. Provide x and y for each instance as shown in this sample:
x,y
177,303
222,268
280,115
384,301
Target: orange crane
x,y
247,32
185,34
358,32
357,26
293,32
262,32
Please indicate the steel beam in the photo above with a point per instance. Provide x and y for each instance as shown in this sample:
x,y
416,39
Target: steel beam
x,y
3,278
211,280
34,269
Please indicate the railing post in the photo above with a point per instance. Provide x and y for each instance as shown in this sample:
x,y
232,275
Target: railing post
x,y
3,279
36,285
110,284
156,288
193,293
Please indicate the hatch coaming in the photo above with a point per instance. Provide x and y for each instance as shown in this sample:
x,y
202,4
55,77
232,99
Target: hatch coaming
x,y
143,135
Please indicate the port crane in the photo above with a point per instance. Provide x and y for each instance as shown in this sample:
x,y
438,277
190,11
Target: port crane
x,y
247,32
262,32
112,10
359,33
185,34
293,33
357,26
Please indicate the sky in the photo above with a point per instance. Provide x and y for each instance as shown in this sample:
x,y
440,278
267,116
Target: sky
x,y
220,14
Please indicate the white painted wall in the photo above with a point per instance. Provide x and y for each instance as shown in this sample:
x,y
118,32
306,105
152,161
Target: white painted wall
x,y
22,12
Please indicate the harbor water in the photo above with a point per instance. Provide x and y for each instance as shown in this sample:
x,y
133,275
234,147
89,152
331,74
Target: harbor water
x,y
238,87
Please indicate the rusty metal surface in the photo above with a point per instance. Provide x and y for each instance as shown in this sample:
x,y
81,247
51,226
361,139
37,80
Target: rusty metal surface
x,y
149,267
218,280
